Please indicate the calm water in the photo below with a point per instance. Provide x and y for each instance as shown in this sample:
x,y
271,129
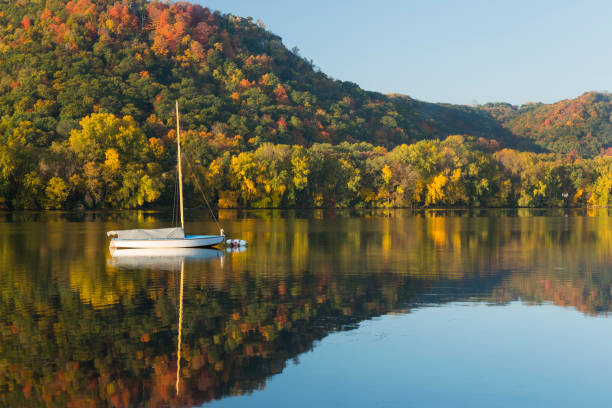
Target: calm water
x,y
390,309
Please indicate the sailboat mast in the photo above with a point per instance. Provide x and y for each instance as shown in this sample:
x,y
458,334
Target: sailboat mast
x,y
180,174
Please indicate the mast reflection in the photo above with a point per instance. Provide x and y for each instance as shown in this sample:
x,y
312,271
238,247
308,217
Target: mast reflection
x,y
166,259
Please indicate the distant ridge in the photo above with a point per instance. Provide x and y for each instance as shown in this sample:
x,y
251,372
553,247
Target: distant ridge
x,y
582,125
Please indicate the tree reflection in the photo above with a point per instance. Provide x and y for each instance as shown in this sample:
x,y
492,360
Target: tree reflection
x,y
81,329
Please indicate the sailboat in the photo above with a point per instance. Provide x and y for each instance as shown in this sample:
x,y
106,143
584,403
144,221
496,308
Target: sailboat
x,y
165,237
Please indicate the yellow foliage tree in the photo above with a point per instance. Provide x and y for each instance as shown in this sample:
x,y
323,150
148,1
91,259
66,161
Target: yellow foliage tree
x,y
112,162
299,164
56,193
228,199
102,131
386,175
602,189
435,190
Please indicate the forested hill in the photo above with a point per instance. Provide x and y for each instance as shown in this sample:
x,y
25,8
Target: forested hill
x,y
87,91
62,61
582,125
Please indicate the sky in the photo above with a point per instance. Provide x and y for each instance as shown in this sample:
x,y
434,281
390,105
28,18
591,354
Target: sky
x,y
461,52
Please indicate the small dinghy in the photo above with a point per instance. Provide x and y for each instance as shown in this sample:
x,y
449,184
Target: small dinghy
x,y
165,237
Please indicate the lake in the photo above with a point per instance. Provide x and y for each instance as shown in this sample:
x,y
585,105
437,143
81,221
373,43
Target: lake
x,y
462,308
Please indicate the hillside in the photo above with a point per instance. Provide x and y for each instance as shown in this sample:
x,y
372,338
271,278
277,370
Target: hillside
x,y
582,125
232,77
87,91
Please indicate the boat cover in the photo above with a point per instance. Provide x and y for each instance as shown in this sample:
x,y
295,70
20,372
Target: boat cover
x,y
159,233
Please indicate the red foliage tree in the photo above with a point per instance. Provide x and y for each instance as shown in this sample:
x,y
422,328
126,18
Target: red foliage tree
x,y
81,8
123,18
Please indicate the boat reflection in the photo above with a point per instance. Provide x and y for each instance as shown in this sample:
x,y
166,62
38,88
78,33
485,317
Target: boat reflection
x,y
230,249
160,258
165,259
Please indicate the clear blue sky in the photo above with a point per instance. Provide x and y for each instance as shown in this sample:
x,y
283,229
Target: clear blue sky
x,y
448,51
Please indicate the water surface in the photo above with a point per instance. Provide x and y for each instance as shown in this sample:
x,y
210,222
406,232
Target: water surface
x,y
327,308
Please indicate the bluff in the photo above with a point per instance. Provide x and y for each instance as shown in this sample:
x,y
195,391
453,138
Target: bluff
x,y
87,89
63,61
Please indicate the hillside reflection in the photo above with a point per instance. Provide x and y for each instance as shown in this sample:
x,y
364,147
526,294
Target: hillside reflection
x,y
80,328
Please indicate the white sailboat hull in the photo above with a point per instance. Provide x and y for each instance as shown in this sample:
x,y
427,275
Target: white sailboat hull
x,y
190,241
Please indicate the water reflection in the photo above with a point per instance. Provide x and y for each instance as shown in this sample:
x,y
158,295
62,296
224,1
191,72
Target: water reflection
x,y
81,326
160,258
170,259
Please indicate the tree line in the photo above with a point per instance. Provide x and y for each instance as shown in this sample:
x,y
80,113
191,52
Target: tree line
x,y
109,162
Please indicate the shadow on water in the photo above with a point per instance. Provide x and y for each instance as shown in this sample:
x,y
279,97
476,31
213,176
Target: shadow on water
x,y
81,327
